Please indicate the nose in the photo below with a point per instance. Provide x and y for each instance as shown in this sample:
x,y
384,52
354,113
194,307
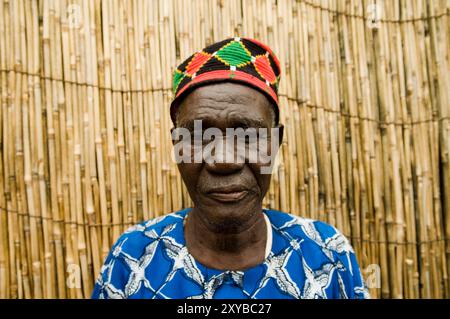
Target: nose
x,y
224,160
224,168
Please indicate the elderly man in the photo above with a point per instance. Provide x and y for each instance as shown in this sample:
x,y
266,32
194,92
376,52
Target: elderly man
x,y
227,245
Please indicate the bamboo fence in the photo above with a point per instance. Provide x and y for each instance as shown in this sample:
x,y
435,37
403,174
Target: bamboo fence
x,y
85,143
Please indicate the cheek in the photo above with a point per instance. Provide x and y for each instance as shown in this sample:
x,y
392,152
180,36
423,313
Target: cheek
x,y
263,180
189,173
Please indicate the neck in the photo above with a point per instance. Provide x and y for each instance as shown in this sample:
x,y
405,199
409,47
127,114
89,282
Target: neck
x,y
225,247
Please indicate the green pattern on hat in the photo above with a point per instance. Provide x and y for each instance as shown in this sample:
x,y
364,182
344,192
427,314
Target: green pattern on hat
x,y
234,54
177,77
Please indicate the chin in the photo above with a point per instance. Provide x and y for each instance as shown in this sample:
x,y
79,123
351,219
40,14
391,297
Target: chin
x,y
230,215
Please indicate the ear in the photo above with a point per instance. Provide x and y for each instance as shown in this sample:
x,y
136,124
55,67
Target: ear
x,y
280,133
171,134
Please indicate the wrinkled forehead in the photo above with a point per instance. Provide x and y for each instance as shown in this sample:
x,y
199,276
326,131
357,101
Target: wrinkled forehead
x,y
225,105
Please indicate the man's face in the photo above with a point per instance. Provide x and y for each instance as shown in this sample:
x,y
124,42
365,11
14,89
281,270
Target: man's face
x,y
226,193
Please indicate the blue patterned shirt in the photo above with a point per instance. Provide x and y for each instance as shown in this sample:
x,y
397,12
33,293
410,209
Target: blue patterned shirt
x,y
307,259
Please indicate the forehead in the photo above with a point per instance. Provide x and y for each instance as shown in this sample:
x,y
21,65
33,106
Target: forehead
x,y
225,103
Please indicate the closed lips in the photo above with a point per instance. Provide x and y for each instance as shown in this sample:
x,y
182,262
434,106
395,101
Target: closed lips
x,y
227,194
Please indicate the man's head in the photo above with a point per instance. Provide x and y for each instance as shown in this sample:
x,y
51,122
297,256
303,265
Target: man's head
x,y
227,192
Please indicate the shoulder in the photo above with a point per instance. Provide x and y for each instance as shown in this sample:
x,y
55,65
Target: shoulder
x,y
311,231
158,222
324,249
134,240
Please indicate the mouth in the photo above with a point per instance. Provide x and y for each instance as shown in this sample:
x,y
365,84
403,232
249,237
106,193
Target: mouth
x,y
228,194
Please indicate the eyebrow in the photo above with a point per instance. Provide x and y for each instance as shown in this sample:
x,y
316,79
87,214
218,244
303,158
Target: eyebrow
x,y
189,124
234,122
256,122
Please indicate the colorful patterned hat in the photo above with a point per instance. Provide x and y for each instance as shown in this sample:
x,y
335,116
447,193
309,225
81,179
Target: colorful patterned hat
x,y
243,60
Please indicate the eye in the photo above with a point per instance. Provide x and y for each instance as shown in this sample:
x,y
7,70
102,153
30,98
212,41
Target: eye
x,y
207,140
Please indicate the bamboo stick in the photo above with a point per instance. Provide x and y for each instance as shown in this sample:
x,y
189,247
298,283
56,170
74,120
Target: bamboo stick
x,y
85,129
